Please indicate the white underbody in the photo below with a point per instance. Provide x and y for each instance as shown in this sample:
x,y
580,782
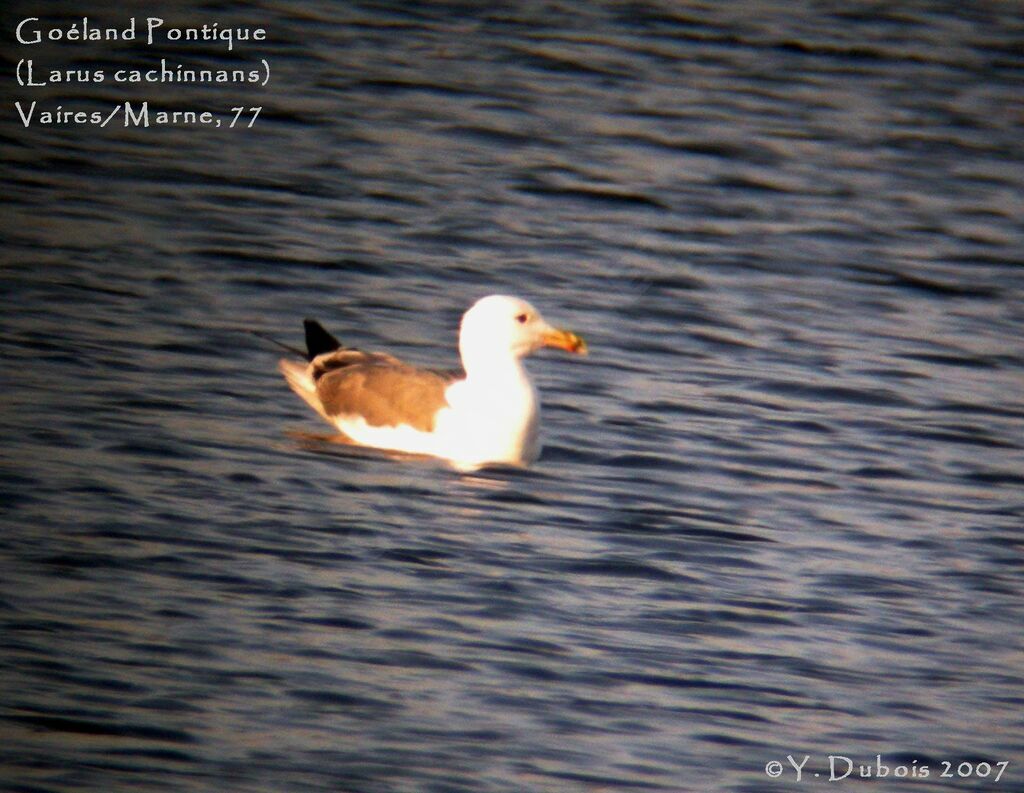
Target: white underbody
x,y
491,419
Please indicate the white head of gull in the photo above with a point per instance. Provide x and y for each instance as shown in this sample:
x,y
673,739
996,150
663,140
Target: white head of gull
x,y
490,414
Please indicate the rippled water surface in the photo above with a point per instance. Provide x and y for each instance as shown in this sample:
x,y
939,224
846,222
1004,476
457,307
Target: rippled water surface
x,y
779,509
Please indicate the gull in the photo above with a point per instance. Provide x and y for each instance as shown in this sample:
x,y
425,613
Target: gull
x,y
487,414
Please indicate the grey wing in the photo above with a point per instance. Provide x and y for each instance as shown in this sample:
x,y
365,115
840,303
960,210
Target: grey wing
x,y
383,392
348,357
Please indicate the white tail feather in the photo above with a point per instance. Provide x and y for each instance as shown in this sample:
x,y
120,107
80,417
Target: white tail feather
x,y
301,382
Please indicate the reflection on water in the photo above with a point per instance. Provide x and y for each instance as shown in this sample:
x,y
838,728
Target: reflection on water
x,y
778,510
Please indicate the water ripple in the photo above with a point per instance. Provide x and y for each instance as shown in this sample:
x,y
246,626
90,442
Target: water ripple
x,y
778,509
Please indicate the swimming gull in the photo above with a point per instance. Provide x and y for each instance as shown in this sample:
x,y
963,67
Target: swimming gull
x,y
489,413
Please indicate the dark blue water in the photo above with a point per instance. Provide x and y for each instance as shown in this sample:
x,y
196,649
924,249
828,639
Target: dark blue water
x,y
779,510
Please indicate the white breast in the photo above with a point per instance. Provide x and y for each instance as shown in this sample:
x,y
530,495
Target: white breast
x,y
491,421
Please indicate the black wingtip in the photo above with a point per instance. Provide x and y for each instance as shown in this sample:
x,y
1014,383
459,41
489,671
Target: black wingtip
x,y
318,340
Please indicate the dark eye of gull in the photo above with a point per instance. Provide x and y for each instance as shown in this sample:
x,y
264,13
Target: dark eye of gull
x,y
521,319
